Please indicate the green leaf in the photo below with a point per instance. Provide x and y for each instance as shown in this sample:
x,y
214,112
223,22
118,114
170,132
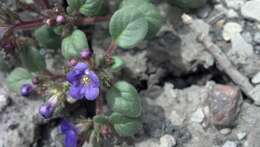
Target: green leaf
x,y
101,119
128,27
32,59
190,4
74,5
92,7
17,78
74,44
123,98
47,38
151,13
125,126
118,63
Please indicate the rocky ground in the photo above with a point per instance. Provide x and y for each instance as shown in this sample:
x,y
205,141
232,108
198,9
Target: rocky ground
x,y
188,100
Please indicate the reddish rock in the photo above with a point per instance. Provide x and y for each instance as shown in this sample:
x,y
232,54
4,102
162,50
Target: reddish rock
x,y
224,105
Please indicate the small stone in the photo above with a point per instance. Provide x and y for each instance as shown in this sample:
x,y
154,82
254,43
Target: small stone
x,y
257,37
230,144
225,131
241,135
256,78
255,94
234,4
230,30
247,37
167,141
232,14
198,116
4,101
251,10
186,19
204,11
224,105
176,119
220,23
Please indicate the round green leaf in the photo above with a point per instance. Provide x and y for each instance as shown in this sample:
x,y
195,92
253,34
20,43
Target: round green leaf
x,y
91,7
123,98
151,13
128,27
101,119
17,78
32,59
125,126
118,63
47,38
74,44
74,5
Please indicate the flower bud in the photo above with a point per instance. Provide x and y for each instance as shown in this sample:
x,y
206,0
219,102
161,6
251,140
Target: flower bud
x,y
8,46
26,89
46,110
72,62
85,54
35,81
60,19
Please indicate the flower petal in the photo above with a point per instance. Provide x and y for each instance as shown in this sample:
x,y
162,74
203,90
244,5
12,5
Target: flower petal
x,y
81,66
65,126
70,139
94,78
90,92
75,91
74,76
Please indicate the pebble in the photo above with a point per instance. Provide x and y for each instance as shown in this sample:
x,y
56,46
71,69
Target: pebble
x,y
230,30
232,14
241,135
225,131
224,105
4,100
176,119
204,11
230,144
251,10
256,78
234,4
167,141
257,37
255,94
198,116
247,37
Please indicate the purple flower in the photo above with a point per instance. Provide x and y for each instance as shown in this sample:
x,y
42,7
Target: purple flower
x,y
46,110
84,82
70,132
26,89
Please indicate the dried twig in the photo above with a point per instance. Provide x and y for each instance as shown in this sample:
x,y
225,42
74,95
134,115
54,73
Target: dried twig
x,y
225,64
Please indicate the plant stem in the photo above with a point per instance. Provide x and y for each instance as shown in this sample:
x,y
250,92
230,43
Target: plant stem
x,y
109,52
90,20
99,105
44,3
28,24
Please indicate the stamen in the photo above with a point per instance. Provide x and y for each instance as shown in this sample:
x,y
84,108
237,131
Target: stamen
x,y
85,80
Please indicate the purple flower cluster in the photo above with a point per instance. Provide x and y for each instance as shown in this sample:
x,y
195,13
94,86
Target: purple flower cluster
x,y
70,132
84,82
47,109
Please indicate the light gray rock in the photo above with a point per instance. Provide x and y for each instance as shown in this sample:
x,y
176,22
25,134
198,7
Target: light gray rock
x,y
251,10
204,11
257,37
232,14
225,131
230,144
241,135
167,141
253,137
234,4
256,78
255,94
198,116
230,30
241,51
247,37
4,101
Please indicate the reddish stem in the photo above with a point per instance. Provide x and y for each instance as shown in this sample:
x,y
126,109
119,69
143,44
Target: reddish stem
x,y
99,105
110,51
28,24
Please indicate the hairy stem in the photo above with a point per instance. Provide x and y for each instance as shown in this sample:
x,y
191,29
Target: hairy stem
x,y
109,52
